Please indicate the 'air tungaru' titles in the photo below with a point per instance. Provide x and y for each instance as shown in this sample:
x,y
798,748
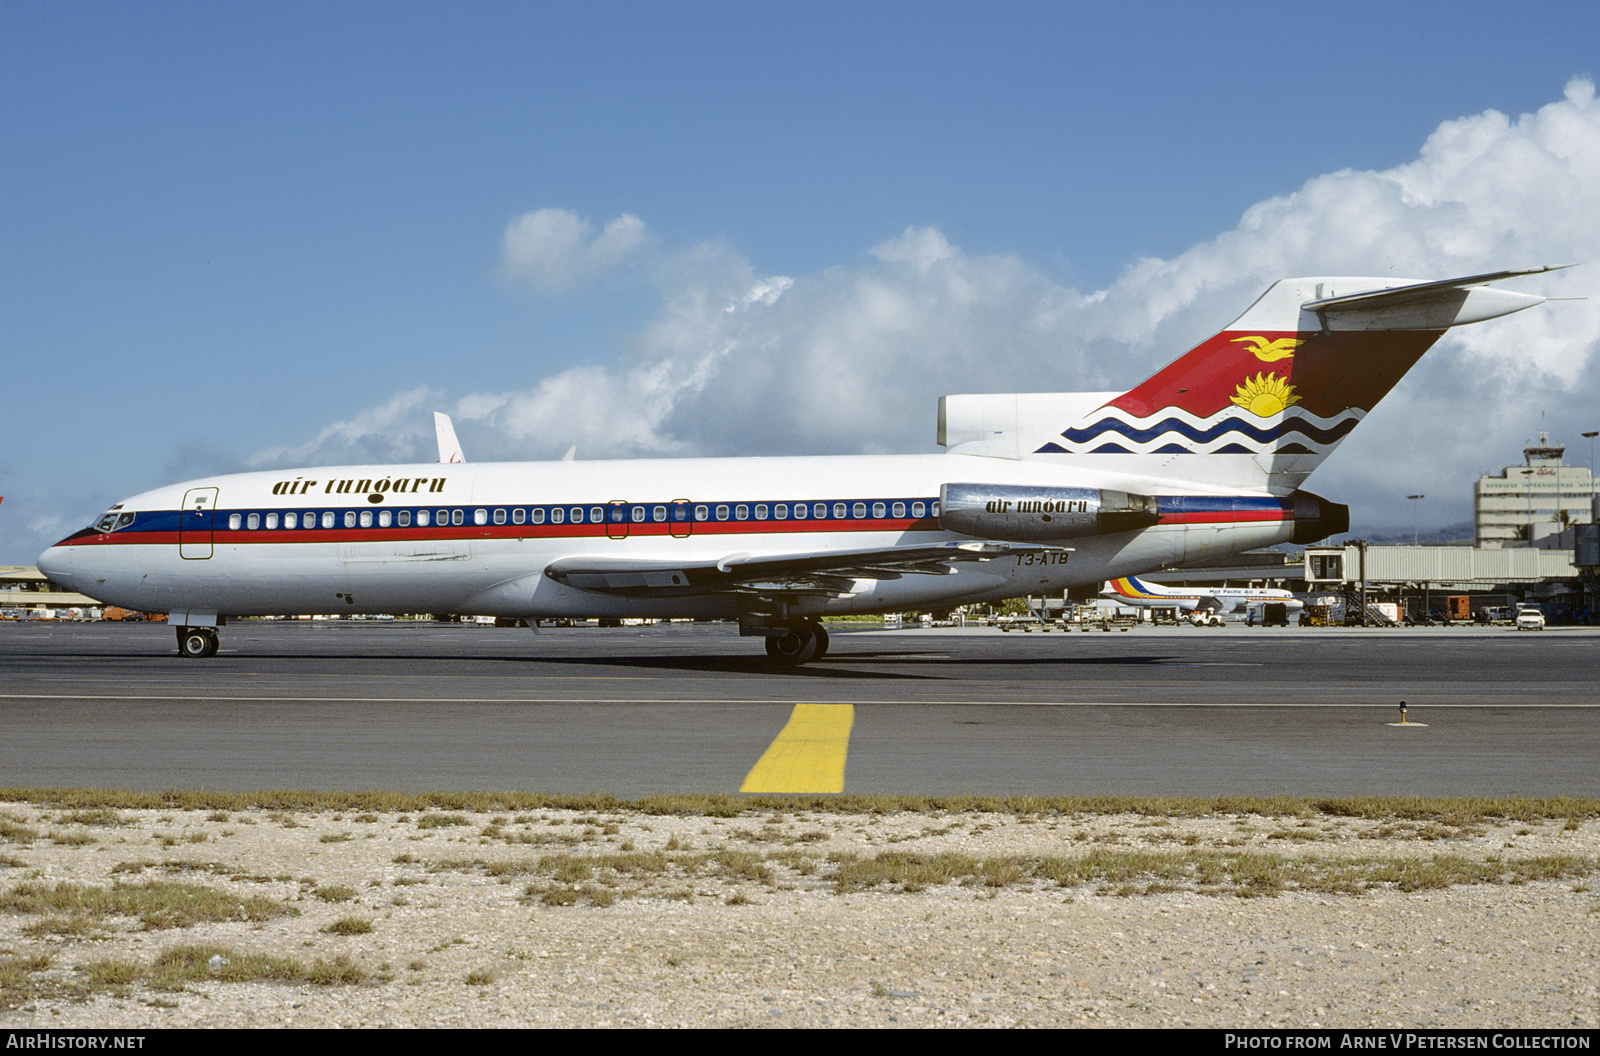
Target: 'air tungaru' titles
x,y
362,486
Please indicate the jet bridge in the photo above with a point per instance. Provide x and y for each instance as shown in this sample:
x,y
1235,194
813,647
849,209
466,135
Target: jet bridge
x,y
1440,566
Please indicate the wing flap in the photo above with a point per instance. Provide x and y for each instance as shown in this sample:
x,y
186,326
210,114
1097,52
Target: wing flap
x,y
829,572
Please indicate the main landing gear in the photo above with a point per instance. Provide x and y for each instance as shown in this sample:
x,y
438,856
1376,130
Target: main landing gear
x,y
197,642
802,642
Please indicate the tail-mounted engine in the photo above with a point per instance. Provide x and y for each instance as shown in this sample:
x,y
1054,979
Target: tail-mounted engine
x,y
1041,515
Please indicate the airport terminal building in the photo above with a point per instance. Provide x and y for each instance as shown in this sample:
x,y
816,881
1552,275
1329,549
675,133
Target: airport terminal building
x,y
1527,504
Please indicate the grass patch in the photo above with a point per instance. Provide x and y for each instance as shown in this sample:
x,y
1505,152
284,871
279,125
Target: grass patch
x,y
349,925
1454,811
440,821
204,961
17,977
157,904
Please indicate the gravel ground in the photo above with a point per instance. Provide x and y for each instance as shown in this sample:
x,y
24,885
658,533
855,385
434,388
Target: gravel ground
x,y
627,919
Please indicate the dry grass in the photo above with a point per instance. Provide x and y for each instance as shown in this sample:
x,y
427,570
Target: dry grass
x,y
1454,812
156,904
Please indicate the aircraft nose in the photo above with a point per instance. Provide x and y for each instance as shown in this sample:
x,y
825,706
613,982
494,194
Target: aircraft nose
x,y
57,564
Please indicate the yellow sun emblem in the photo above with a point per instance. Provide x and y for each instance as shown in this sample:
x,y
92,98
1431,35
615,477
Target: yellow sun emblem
x,y
1271,351
1265,395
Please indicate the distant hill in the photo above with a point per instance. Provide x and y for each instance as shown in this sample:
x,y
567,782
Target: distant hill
x,y
1463,534
1450,535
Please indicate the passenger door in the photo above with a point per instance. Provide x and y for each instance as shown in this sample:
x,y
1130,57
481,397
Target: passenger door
x,y
195,523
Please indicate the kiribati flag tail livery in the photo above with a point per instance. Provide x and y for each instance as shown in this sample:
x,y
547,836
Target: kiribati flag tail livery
x,y
1270,396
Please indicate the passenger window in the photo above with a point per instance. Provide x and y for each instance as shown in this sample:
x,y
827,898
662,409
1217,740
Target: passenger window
x,y
917,509
311,519
499,516
519,515
442,518
423,517
933,509
741,512
366,518
349,518
701,513
405,518
327,518
459,516
234,521
878,509
820,510
272,521
859,510
385,518
659,514
722,513
638,514
838,511
781,511
899,509
291,521
577,515
538,515
597,515
799,511
253,521
761,512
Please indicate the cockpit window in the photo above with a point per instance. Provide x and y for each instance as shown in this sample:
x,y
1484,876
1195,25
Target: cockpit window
x,y
112,521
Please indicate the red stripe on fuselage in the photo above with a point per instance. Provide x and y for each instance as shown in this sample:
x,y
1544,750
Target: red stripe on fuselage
x,y
227,536
1226,517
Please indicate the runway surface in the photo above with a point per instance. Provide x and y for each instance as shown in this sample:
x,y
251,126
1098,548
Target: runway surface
x,y
685,708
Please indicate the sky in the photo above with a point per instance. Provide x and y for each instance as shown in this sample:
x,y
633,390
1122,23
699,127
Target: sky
x,y
265,235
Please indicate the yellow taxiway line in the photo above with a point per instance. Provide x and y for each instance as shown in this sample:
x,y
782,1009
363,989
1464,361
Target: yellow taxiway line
x,y
808,754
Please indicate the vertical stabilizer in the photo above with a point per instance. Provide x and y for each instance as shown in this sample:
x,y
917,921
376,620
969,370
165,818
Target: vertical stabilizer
x,y
1292,377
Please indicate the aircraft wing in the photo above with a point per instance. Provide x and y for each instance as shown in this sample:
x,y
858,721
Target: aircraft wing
x,y
822,572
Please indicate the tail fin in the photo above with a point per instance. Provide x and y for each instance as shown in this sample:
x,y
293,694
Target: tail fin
x,y
1130,588
1290,379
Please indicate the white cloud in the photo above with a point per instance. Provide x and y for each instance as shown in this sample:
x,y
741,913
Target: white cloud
x,y
852,359
398,430
554,250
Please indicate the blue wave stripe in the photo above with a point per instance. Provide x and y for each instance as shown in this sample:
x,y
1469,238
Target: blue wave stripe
x,y
1168,426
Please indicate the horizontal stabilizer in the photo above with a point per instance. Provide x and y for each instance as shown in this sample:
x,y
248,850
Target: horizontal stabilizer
x,y
1421,291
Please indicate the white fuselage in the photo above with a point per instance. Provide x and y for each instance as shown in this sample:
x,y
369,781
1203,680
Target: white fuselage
x,y
1230,599
491,531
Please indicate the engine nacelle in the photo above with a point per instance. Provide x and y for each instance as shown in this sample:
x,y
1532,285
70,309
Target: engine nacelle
x,y
1315,518
1017,513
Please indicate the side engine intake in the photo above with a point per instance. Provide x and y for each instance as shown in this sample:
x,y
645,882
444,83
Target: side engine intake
x,y
1035,515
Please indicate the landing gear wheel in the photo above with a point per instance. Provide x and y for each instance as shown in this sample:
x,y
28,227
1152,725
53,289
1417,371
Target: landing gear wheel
x,y
197,642
805,641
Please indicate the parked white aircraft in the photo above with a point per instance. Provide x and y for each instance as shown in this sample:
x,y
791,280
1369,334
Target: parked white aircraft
x,y
1038,492
1131,590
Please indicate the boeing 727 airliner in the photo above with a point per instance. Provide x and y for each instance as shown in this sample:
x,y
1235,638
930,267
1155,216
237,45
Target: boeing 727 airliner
x,y
1036,493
